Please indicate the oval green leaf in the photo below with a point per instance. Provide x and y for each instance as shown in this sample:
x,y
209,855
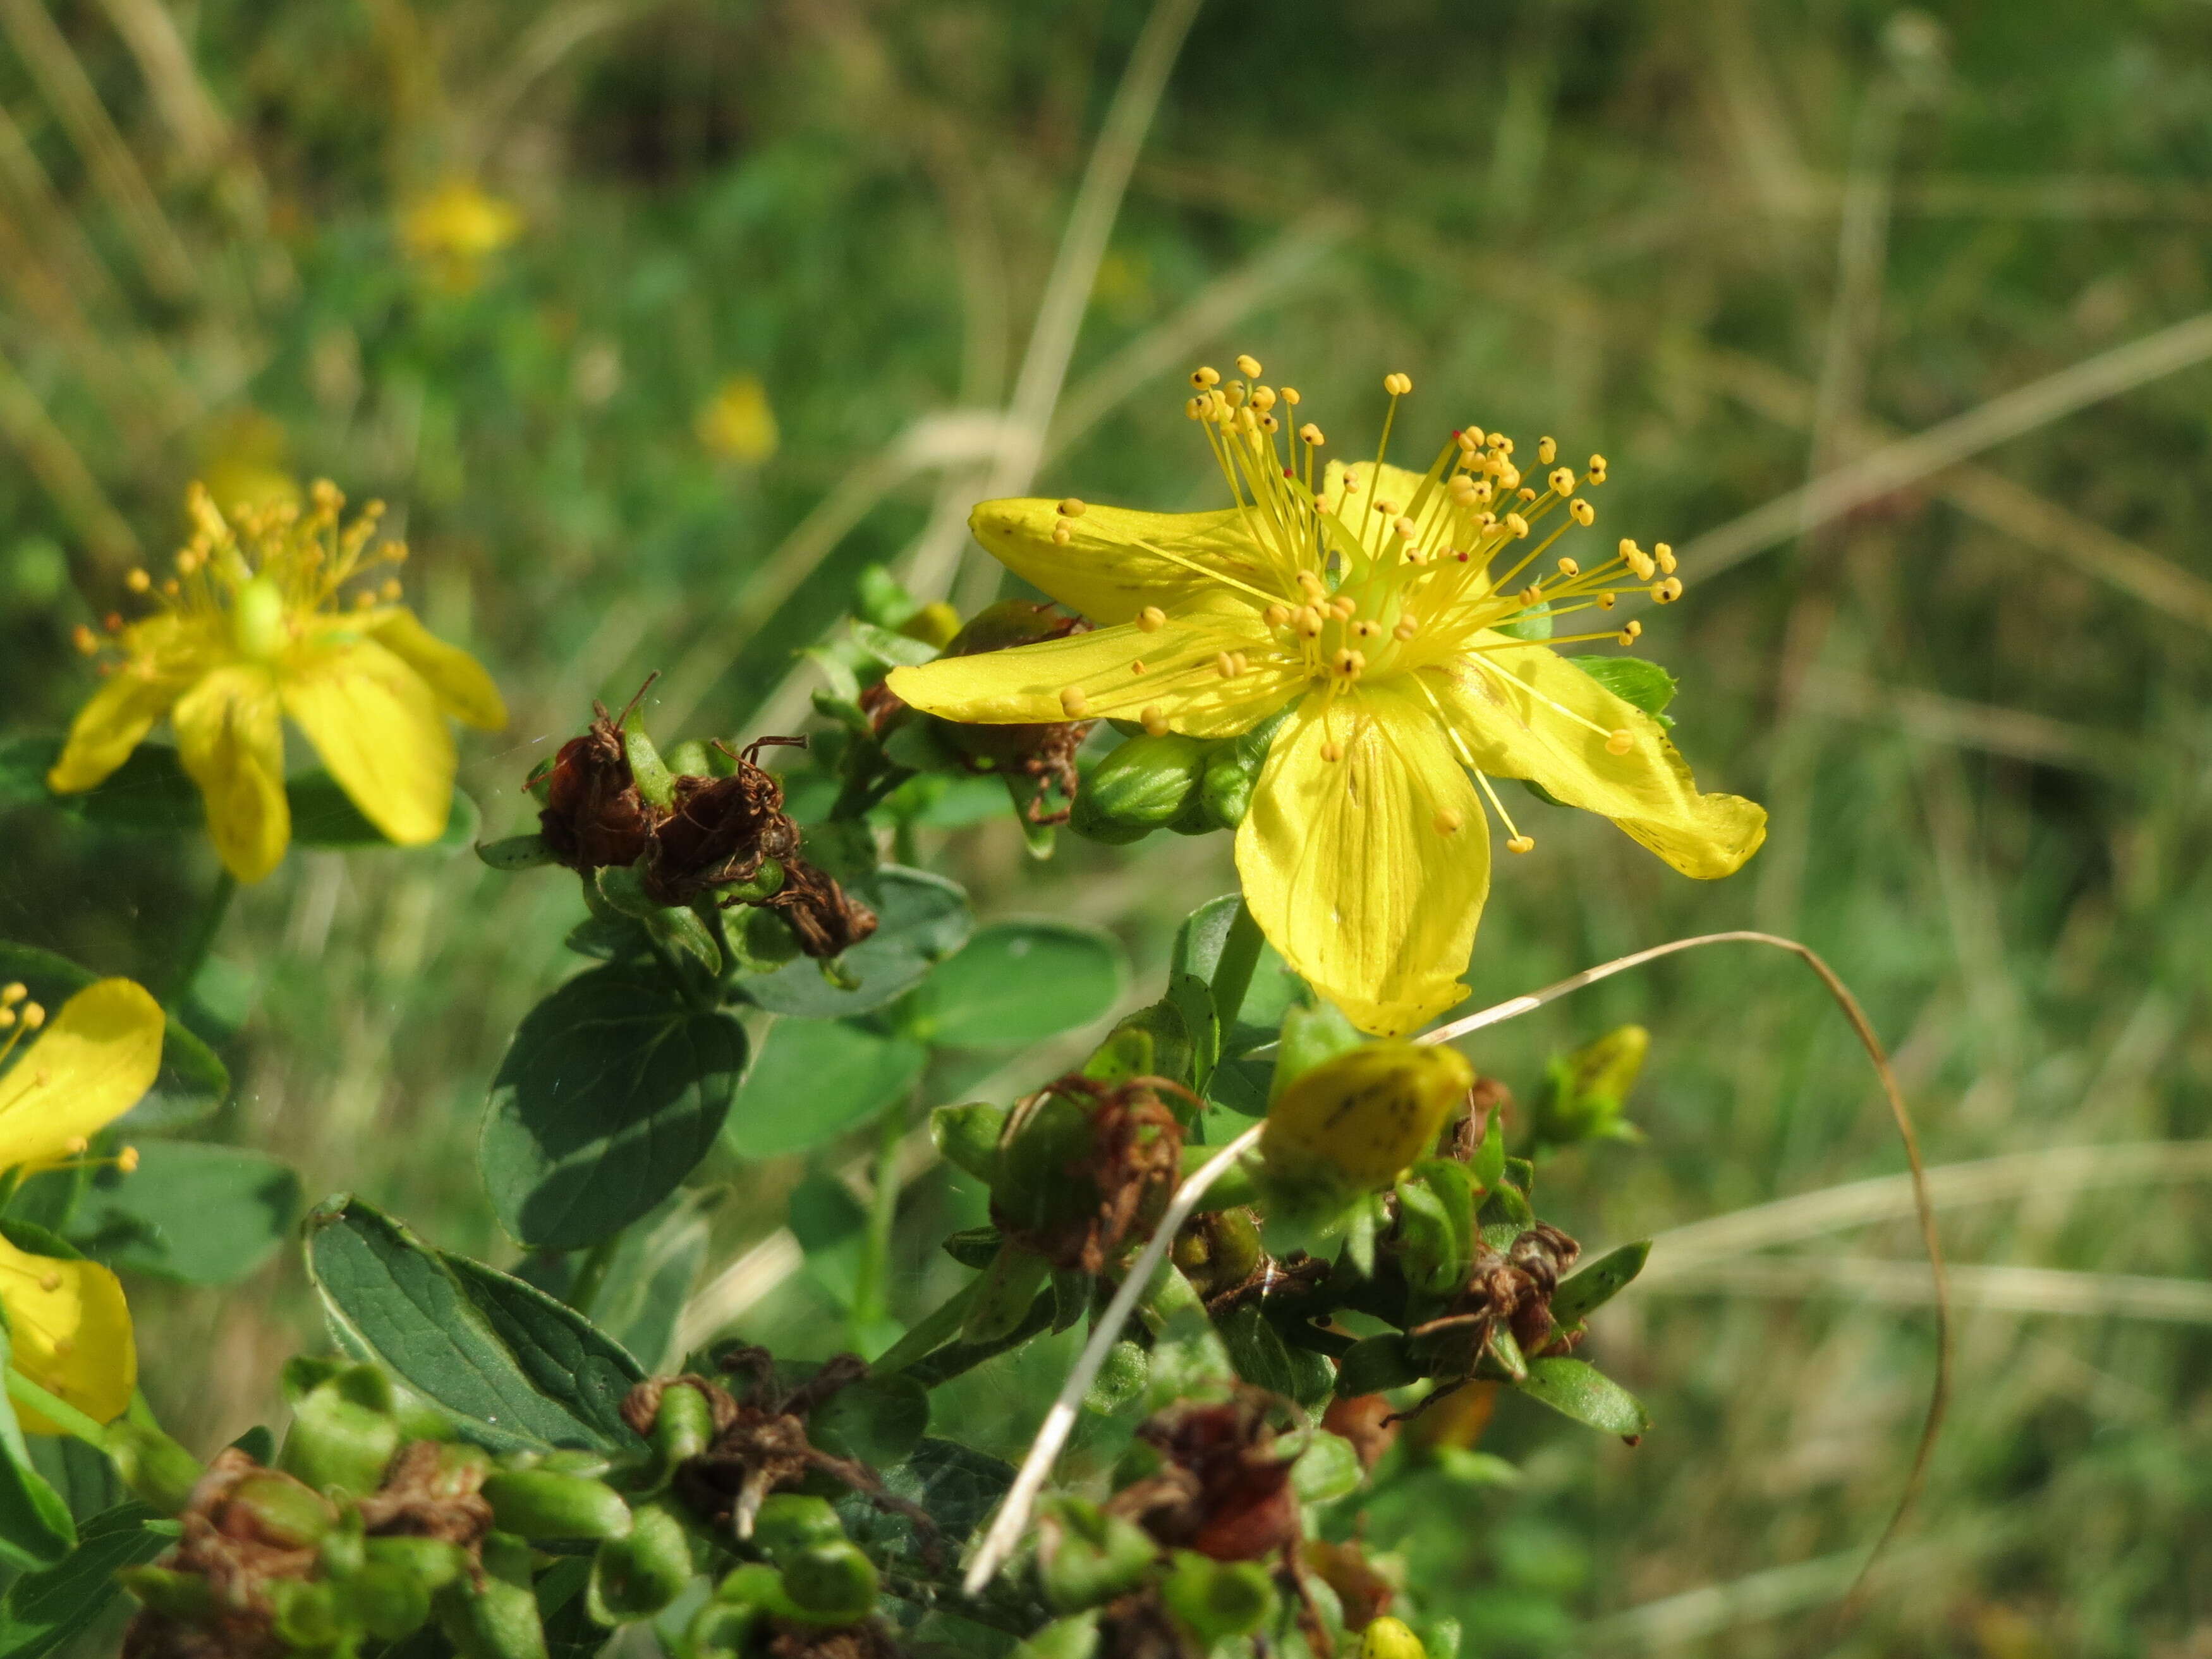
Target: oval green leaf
x,y
812,1079
921,919
1018,982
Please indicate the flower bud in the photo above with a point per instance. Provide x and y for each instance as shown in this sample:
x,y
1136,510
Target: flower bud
x,y
1217,1599
636,1576
1085,1556
1143,785
683,1426
304,1613
152,1466
388,1602
754,1584
1355,1123
1390,1638
1224,793
966,1137
1584,1093
1044,1150
543,1503
719,1630
498,1620
795,1521
430,1562
183,1595
1219,1250
337,1441
834,1583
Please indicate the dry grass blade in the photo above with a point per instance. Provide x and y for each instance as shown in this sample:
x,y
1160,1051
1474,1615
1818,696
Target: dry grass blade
x,y
1939,1393
53,460
2002,1287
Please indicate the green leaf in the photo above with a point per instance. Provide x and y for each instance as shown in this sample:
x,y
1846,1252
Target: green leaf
x,y
1633,680
45,1608
811,1080
517,852
921,919
1377,1364
612,1091
829,1225
1576,1389
654,1268
324,815
1436,1227
150,793
192,1082
1532,623
958,1488
515,1368
878,1419
1599,1283
1191,999
195,1214
1489,1165
1018,982
1255,1348
1327,1470
36,1528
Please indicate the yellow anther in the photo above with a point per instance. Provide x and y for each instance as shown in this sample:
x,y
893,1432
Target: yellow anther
x,y
1597,469
1350,664
189,561
1290,396
1397,385
1366,628
1248,365
1152,619
1312,583
1229,665
127,1160
50,1283
1155,720
84,639
1501,443
1309,622
1350,483
1204,379
1407,626
1562,481
1531,596
1469,438
1448,821
1665,555
1521,844
76,1146
1193,409
1136,665
1233,394
1631,631
1667,590
33,1016
1343,604
137,581
1509,477
1247,421
1527,493
1619,742
1546,451
1311,436
13,993
1073,703
1071,508
1581,511
1061,535
1569,568
1405,527
1517,525
1276,615
7,1019
1605,601
1332,751
1263,398
391,589
1385,504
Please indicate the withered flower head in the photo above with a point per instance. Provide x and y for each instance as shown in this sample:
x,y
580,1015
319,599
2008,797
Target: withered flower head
x,y
1223,1488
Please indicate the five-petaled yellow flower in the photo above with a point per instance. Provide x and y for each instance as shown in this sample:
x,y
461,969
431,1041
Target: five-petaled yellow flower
x,y
1372,602
254,627
67,1325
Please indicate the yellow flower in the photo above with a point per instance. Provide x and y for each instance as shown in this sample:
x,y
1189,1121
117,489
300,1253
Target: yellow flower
x,y
738,424
252,628
456,228
1356,1123
67,1321
1374,603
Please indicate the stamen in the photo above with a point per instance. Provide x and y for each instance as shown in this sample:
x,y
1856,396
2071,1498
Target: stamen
x,y
1331,750
1620,741
1581,512
1562,479
1204,379
1073,703
1521,844
1448,821
1136,665
1248,366
1073,508
1154,721
1152,619
1546,451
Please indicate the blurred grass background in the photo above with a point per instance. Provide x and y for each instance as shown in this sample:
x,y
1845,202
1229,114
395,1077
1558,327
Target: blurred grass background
x,y
775,271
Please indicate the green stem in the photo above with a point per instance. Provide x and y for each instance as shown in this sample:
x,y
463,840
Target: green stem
x,y
869,1301
591,1276
1232,974
202,940
59,1412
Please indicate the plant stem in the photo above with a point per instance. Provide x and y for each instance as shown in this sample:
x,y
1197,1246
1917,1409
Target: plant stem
x,y
1232,974
870,1303
591,1276
202,940
59,1412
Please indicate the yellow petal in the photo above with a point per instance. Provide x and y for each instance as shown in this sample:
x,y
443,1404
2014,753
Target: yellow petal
x,y
158,668
1369,871
71,1333
1103,572
230,736
1398,487
87,1067
458,679
1182,675
1516,709
1360,1121
375,722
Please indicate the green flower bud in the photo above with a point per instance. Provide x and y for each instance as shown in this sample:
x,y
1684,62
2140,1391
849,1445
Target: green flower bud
x,y
156,1467
1216,1599
1390,1638
508,1558
683,1428
341,1553
795,1521
1087,1557
430,1562
966,1137
387,1601
1356,1123
544,1503
832,1584
1224,793
636,1576
1073,1638
1217,1251
336,1442
499,1621
1144,785
1584,1092
183,1595
305,1612
721,1631
754,1584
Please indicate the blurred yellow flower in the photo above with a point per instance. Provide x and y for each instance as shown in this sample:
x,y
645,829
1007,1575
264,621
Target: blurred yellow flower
x,y
456,228
246,463
737,423
67,1321
1388,609
1356,1122
253,627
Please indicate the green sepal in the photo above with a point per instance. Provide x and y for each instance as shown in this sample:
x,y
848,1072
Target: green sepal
x,y
966,1137
1217,1599
1577,1297
517,853
655,783
636,1575
541,1503
1086,1556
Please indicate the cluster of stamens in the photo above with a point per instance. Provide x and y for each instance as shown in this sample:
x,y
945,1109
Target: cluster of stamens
x,y
20,1017
260,570
1356,584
